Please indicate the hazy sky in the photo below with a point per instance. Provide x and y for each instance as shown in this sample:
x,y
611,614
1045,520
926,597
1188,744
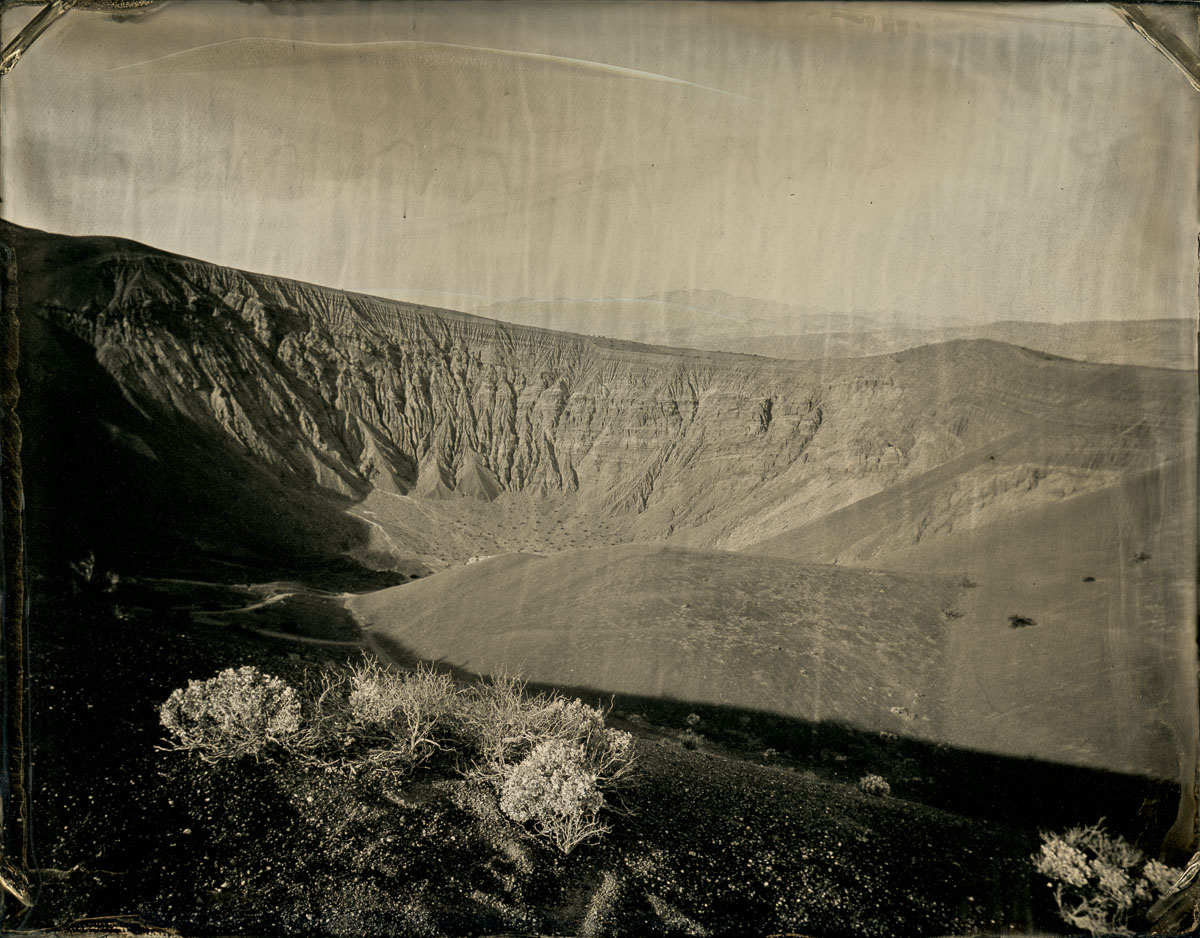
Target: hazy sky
x,y
1016,161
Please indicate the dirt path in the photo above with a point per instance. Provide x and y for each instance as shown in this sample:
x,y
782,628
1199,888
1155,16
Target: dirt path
x,y
275,598
308,640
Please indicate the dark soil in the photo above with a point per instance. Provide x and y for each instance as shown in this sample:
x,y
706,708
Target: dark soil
x,y
710,844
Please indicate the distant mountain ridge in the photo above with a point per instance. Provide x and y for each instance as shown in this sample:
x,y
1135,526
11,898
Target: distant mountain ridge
x,y
683,318
716,321
1151,343
347,394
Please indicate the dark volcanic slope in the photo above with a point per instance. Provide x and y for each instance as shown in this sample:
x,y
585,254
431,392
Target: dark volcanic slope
x,y
322,391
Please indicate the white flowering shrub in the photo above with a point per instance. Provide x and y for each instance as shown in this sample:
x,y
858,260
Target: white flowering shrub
x,y
551,760
502,724
1160,878
874,785
368,718
554,789
1101,882
608,753
240,712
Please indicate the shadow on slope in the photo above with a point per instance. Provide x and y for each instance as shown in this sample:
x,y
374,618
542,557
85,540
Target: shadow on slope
x,y
149,492
1105,583
904,655
816,642
1025,793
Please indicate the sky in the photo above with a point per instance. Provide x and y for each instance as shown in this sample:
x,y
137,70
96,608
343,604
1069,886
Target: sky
x,y
917,162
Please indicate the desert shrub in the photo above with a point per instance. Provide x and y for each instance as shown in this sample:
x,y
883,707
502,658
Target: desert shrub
x,y
689,739
1101,882
551,760
240,712
501,724
554,789
367,717
499,727
1160,878
874,785
403,717
386,701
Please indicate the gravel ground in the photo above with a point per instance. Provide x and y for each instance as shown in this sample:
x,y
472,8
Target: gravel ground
x,y
711,845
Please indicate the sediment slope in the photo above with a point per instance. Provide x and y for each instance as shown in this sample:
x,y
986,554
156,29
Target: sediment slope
x,y
347,394
813,642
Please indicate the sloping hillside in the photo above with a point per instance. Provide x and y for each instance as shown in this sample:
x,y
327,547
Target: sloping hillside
x,y
967,548
340,395
709,844
1100,583
244,418
817,643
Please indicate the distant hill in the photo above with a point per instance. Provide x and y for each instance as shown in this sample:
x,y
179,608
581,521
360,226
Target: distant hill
x,y
1155,343
715,321
707,319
